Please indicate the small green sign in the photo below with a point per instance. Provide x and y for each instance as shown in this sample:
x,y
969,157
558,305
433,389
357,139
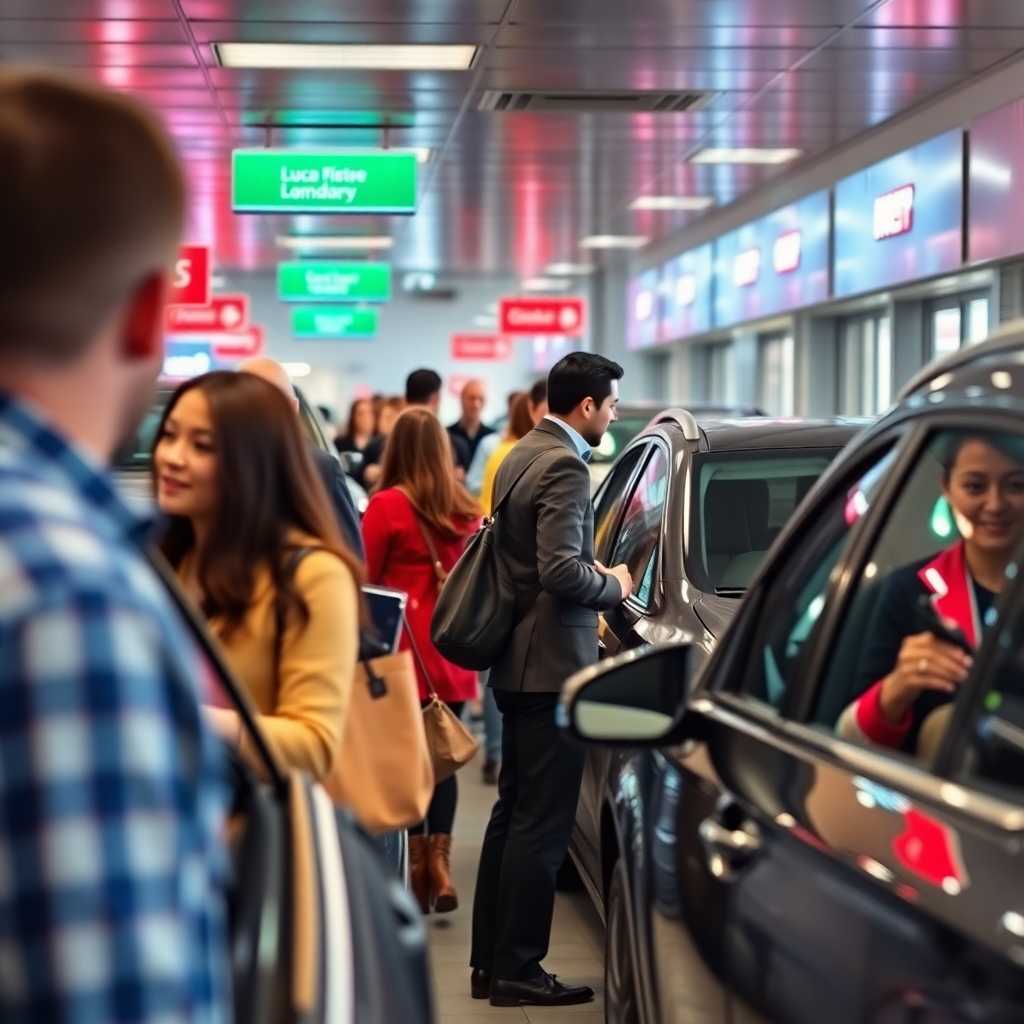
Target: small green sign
x,y
322,181
330,281
334,322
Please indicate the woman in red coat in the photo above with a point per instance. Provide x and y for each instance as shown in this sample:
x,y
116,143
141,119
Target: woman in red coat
x,y
419,497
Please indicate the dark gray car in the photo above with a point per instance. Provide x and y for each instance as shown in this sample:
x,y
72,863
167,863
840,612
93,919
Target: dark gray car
x,y
766,856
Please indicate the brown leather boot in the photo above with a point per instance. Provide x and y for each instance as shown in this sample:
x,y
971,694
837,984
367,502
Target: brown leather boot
x,y
443,896
419,871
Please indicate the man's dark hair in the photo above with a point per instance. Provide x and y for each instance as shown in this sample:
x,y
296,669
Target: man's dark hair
x,y
539,393
421,386
577,376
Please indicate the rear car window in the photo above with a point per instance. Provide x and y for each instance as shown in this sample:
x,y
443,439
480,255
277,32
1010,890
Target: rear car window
x,y
741,502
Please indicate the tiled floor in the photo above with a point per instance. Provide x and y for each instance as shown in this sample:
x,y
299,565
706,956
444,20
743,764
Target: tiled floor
x,y
577,941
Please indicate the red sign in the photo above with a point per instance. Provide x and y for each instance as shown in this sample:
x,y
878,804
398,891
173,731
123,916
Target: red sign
x,y
481,347
239,346
224,313
542,316
192,271
894,213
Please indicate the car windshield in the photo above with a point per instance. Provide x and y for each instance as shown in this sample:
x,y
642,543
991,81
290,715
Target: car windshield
x,y
741,503
619,434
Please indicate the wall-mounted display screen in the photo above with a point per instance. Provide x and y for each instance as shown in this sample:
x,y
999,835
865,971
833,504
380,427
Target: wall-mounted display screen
x,y
774,264
995,181
684,295
900,219
642,310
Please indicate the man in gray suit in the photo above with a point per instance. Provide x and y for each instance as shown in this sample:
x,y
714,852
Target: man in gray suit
x,y
545,536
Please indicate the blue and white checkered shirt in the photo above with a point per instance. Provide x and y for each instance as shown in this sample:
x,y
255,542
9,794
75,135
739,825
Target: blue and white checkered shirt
x,y
112,863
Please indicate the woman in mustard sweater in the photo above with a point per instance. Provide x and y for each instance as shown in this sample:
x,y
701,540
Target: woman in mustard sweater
x,y
254,543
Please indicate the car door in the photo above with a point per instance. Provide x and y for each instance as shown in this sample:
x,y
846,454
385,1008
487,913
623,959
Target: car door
x,y
609,503
637,544
824,871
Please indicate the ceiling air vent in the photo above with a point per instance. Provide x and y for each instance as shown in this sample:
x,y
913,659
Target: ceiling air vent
x,y
582,102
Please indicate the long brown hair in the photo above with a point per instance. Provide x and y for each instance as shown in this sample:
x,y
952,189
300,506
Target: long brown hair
x,y
267,484
354,412
418,459
520,422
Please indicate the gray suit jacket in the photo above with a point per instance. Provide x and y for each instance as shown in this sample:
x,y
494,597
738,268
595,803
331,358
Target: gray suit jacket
x,y
545,537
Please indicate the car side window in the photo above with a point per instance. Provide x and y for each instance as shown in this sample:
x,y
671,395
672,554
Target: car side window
x,y
639,538
611,499
795,599
926,595
992,755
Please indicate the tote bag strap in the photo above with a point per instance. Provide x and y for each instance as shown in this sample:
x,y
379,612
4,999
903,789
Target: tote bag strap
x,y
419,658
512,486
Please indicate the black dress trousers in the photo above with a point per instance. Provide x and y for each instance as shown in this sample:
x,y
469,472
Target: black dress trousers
x,y
527,837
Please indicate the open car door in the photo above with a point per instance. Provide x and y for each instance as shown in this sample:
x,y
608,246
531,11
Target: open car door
x,y
320,930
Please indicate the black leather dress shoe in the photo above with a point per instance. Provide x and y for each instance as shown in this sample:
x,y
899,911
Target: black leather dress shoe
x,y
545,990
480,983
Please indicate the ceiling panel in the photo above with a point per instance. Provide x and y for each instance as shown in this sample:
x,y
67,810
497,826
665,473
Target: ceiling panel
x,y
505,192
468,12
691,12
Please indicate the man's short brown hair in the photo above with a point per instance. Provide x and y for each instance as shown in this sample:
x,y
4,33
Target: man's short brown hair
x,y
92,201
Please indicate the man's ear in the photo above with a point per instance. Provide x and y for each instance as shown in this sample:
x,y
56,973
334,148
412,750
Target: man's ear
x,y
142,326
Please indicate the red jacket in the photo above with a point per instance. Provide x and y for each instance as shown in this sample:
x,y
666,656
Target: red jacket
x,y
397,556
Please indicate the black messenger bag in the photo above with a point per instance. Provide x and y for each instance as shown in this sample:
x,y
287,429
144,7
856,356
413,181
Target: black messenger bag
x,y
476,608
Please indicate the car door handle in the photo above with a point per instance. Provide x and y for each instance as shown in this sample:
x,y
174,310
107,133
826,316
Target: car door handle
x,y
726,849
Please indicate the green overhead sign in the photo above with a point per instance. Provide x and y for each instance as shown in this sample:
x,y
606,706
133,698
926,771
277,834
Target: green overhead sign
x,y
334,322
322,181
331,281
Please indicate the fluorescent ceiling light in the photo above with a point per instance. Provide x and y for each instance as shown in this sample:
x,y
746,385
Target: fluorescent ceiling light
x,y
671,203
295,370
613,242
351,56
546,284
745,156
570,269
335,243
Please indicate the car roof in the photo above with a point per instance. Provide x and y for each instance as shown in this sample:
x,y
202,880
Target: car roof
x,y
650,409
764,433
976,368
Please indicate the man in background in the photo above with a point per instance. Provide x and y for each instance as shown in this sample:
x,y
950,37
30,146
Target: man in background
x,y
332,473
112,789
469,430
423,388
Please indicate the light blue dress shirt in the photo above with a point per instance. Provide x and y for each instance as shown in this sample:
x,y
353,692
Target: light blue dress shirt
x,y
583,449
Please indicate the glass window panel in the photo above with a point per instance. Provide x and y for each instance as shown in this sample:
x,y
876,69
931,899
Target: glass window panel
x,y
977,321
946,330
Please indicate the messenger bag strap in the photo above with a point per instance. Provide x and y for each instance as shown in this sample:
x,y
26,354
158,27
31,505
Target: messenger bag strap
x,y
525,470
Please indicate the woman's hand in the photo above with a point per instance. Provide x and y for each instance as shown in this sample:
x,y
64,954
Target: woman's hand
x,y
924,663
225,723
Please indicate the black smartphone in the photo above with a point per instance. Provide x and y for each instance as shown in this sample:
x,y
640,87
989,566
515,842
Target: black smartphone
x,y
931,622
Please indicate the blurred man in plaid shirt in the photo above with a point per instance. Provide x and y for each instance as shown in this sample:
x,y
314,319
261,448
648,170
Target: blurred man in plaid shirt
x,y
112,869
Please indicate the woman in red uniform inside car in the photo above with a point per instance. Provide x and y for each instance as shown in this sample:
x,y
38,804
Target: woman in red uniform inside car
x,y
908,671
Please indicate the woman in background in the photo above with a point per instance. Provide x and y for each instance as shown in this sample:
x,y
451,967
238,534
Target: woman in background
x,y
254,542
358,434
421,512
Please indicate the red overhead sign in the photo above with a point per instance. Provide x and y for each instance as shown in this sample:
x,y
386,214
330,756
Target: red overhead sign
x,y
894,213
542,316
224,313
482,347
239,346
192,272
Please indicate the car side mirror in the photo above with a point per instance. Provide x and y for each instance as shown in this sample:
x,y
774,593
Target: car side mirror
x,y
636,699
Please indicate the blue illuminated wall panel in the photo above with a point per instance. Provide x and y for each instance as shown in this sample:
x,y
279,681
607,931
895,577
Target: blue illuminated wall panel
x,y
642,310
901,219
684,295
774,264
